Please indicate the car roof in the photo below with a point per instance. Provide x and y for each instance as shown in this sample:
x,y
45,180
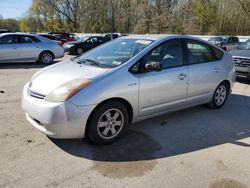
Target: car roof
x,y
26,34
156,37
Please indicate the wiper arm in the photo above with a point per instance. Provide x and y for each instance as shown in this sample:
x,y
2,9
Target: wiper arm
x,y
77,60
94,62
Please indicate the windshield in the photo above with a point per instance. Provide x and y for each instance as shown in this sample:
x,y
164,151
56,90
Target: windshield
x,y
245,45
220,39
115,53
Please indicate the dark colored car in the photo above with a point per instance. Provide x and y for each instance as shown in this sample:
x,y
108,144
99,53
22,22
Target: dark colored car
x,y
84,44
5,31
226,43
241,56
51,37
68,37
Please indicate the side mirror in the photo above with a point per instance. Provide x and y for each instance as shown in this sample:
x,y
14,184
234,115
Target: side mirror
x,y
153,66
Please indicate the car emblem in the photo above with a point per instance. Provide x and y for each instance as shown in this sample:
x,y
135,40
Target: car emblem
x,y
238,61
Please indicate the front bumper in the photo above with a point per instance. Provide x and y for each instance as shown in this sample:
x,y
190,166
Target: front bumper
x,y
57,120
242,72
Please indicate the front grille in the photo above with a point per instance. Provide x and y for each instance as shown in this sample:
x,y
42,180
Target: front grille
x,y
37,95
242,62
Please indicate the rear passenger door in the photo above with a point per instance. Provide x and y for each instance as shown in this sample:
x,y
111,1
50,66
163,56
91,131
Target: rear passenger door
x,y
9,49
29,47
204,67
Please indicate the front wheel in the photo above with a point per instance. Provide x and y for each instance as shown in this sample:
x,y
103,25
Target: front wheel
x,y
107,123
220,96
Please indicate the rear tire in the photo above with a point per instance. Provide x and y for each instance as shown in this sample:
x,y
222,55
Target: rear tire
x,y
220,96
46,57
107,123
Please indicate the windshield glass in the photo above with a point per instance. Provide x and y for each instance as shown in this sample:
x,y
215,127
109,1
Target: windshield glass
x,y
220,39
113,54
245,45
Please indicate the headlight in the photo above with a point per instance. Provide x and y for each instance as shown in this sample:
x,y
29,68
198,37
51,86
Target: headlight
x,y
67,90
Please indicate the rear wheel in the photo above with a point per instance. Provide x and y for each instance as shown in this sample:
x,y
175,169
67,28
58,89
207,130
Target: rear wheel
x,y
46,57
220,96
107,123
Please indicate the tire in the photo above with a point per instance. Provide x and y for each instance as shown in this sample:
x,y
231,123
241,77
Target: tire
x,y
220,96
107,123
46,57
79,50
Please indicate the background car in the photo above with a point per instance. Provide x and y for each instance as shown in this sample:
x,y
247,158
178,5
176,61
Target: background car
x,y
84,44
241,56
67,37
51,37
5,31
126,80
28,47
226,43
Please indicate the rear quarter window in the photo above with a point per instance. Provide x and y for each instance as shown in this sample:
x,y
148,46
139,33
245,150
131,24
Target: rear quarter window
x,y
199,52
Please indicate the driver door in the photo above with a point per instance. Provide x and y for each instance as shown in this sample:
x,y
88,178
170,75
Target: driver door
x,y
165,90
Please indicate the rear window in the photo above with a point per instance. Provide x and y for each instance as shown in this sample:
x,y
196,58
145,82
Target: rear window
x,y
199,52
218,53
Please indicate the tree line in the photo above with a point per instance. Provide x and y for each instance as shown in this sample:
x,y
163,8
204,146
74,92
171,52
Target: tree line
x,y
204,17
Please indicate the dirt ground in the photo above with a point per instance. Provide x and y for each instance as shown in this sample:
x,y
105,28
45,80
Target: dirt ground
x,y
197,147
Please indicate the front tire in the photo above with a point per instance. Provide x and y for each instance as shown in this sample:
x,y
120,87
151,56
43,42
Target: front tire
x,y
79,50
220,96
107,123
46,57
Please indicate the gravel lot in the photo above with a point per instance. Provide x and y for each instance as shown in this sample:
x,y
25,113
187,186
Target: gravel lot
x,y
198,147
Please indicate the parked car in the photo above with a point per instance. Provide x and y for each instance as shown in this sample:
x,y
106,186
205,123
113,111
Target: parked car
x,y
112,36
5,31
28,47
67,37
127,80
83,45
51,37
226,43
241,56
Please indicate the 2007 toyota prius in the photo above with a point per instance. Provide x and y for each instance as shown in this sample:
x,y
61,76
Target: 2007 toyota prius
x,y
127,80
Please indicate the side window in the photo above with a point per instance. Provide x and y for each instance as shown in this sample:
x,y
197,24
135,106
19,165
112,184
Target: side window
x,y
235,39
230,40
218,53
169,54
29,39
199,52
8,39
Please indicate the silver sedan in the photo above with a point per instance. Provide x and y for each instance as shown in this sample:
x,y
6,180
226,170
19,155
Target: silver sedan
x,y
28,47
127,80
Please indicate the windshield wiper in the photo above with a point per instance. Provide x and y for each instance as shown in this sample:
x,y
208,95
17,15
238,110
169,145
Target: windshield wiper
x,y
93,62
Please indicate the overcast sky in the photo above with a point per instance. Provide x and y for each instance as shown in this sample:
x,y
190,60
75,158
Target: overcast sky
x,y
14,8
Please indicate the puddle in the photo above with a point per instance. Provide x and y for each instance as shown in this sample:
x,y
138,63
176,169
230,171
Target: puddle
x,y
227,183
132,155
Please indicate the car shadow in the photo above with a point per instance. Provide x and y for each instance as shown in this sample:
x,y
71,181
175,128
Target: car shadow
x,y
24,65
172,134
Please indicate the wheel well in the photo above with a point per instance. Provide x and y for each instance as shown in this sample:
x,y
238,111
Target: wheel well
x,y
121,100
227,83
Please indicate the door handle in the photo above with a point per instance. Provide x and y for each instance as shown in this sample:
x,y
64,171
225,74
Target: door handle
x,y
182,76
217,69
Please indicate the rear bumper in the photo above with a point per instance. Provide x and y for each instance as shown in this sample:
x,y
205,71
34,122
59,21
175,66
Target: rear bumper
x,y
57,120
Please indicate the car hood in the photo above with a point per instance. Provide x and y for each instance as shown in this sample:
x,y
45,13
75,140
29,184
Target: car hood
x,y
49,78
240,53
